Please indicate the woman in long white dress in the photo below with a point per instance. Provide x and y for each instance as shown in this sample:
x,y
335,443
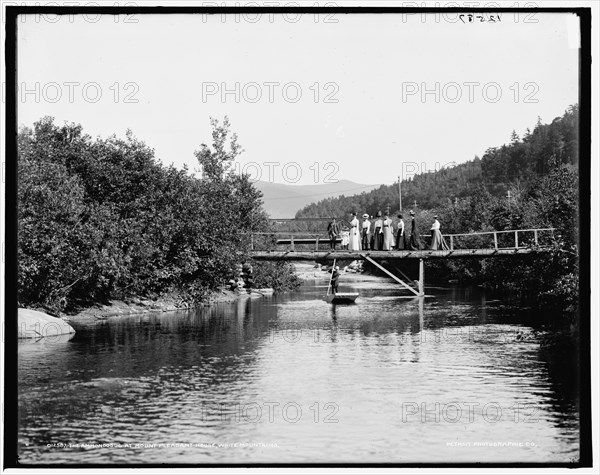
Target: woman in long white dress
x,y
388,236
354,234
438,243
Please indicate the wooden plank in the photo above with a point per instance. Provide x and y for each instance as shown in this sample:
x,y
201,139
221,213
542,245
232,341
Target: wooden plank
x,y
397,279
303,241
391,255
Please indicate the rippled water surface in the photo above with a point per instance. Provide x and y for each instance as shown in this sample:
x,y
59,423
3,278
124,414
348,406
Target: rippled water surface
x,y
448,378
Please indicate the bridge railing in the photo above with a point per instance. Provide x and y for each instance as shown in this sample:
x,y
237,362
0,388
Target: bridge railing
x,y
304,225
289,240
507,239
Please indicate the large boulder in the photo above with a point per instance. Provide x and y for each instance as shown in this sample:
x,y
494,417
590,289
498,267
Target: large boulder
x,y
34,324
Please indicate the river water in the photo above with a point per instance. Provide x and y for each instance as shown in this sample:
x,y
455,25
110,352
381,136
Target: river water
x,y
454,377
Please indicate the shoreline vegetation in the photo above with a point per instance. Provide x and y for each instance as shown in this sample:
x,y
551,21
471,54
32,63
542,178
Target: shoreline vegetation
x,y
176,302
102,220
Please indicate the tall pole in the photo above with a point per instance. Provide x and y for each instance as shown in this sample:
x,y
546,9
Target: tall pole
x,y
399,194
421,278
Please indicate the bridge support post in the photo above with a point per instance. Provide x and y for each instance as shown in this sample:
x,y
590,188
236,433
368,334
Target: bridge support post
x,y
421,278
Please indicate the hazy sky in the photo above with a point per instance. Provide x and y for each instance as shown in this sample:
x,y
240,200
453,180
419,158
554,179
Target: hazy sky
x,y
341,92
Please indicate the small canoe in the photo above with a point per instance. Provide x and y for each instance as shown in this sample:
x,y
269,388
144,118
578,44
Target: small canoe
x,y
342,297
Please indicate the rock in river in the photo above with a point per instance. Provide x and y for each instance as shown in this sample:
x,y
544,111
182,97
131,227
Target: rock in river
x,y
34,324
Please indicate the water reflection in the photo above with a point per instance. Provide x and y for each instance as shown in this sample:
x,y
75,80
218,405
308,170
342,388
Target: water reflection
x,y
390,379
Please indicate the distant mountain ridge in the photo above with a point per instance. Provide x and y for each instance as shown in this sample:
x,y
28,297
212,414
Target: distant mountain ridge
x,y
283,200
515,164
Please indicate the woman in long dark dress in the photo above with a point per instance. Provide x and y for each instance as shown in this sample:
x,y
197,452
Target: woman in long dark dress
x,y
400,244
372,239
378,232
415,243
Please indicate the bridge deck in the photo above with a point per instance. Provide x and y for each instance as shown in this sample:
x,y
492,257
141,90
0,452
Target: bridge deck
x,y
389,255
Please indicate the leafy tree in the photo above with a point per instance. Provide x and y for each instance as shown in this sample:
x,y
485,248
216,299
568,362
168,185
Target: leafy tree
x,y
102,219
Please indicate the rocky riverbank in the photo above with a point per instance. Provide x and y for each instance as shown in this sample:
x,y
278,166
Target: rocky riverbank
x,y
135,306
168,302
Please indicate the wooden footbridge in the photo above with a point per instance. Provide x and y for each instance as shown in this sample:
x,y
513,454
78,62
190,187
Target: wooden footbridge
x,y
306,246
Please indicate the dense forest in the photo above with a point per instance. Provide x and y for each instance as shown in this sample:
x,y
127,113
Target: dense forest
x,y
101,219
532,182
510,167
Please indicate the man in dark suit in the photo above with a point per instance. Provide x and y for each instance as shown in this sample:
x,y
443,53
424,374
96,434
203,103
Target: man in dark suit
x,y
333,229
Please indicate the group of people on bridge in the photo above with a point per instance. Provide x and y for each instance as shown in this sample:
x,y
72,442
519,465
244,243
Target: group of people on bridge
x,y
377,234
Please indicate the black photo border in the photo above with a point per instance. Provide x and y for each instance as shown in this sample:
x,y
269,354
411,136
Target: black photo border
x,y
10,311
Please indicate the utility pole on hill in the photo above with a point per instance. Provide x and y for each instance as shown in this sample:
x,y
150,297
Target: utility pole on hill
x,y
399,195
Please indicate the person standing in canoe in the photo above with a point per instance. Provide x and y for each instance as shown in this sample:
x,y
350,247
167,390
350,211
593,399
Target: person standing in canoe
x,y
438,243
365,232
354,239
333,229
335,279
414,243
400,244
388,236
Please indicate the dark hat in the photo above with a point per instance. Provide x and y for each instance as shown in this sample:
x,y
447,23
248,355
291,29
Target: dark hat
x,y
353,213
412,213
379,214
400,216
